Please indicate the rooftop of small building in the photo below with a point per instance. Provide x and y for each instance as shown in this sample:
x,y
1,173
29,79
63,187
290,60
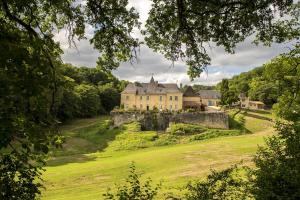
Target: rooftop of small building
x,y
190,92
209,94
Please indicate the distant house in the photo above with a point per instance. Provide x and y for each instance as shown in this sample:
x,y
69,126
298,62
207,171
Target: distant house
x,y
148,96
247,103
210,97
191,99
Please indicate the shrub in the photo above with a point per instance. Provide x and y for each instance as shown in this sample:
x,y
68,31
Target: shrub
x,y
277,174
134,189
166,139
133,127
231,183
185,129
237,121
130,140
189,110
107,123
213,133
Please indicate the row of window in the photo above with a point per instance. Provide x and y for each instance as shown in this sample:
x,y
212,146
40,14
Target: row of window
x,y
160,107
160,98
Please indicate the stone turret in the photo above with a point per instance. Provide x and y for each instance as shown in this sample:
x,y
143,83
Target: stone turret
x,y
152,80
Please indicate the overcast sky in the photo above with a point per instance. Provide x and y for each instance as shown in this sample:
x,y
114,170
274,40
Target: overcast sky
x,y
223,65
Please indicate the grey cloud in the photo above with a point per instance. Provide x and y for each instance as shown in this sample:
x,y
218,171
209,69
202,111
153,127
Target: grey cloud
x,y
224,65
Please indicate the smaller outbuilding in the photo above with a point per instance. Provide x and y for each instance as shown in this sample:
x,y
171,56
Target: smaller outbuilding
x,y
191,99
201,99
210,97
247,103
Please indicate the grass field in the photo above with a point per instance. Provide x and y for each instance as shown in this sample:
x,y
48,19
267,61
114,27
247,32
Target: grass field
x,y
92,159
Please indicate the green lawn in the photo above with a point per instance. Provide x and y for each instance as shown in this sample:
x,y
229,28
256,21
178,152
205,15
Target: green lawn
x,y
74,175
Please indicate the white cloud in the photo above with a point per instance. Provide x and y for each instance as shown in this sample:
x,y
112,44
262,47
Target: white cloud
x,y
224,65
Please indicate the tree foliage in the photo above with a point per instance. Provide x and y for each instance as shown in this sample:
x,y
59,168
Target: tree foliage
x,y
86,92
278,173
181,29
228,96
263,90
231,183
277,164
110,96
30,77
134,189
284,72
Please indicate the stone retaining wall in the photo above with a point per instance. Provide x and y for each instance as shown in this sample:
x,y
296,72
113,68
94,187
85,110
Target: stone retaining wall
x,y
161,120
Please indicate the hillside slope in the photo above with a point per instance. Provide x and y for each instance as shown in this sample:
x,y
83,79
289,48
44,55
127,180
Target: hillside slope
x,y
74,175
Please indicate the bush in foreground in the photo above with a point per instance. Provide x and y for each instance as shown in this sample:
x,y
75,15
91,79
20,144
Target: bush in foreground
x,y
134,189
231,183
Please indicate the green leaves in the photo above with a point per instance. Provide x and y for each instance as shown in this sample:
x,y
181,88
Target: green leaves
x,y
134,189
228,96
231,183
278,165
19,180
284,73
183,29
113,24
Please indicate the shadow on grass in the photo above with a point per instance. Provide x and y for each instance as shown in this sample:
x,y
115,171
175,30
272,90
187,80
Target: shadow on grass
x,y
257,116
260,111
62,160
83,139
238,122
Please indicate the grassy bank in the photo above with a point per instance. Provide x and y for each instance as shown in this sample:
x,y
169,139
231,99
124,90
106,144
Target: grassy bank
x,y
95,157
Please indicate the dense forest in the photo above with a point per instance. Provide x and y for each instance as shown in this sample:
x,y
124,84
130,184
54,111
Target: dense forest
x,y
198,87
86,92
264,83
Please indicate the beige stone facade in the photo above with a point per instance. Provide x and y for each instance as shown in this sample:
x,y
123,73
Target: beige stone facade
x,y
210,97
148,96
153,95
247,103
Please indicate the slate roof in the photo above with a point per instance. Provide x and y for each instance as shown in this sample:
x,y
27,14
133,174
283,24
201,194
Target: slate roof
x,y
209,94
190,92
151,88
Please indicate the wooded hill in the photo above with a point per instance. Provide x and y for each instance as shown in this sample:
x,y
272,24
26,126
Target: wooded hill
x,y
86,92
258,83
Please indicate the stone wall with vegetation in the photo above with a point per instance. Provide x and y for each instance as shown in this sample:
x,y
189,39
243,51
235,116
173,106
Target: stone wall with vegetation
x,y
161,120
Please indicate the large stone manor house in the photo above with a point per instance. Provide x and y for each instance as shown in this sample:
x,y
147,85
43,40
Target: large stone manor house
x,y
154,95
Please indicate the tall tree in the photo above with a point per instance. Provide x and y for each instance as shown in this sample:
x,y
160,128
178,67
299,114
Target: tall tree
x,y
182,28
278,163
228,96
29,75
264,91
224,89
